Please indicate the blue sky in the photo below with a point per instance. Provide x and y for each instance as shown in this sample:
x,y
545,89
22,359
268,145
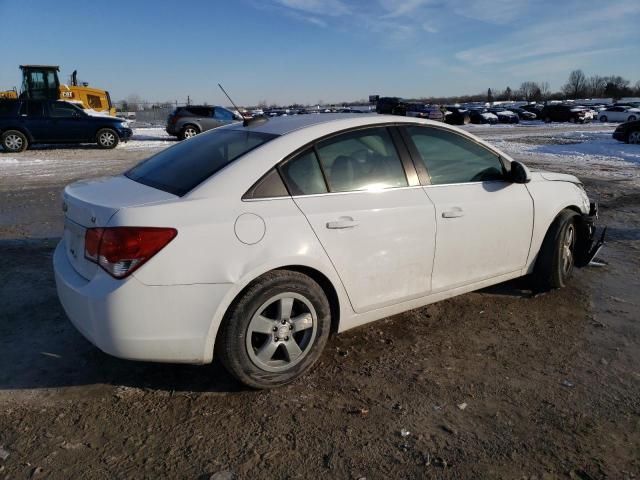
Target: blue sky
x,y
287,51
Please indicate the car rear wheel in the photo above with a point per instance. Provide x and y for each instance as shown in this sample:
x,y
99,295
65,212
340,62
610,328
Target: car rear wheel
x,y
14,141
556,259
275,331
634,137
572,120
547,120
603,118
632,118
189,131
107,139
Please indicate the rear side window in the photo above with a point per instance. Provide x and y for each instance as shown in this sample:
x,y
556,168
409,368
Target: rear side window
x,y
303,175
32,108
199,111
451,158
8,108
181,168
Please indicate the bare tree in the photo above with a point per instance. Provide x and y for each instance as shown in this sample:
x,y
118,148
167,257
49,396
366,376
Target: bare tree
x,y
529,90
596,85
134,102
489,96
637,89
545,90
576,85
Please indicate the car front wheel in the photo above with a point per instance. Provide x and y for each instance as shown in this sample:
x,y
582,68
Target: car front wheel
x,y
634,137
556,259
275,331
603,118
14,141
632,118
107,139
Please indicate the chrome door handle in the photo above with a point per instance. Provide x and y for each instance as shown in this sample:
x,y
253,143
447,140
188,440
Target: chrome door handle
x,y
455,212
342,222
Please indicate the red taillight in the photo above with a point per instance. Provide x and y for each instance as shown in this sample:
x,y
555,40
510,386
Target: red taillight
x,y
122,250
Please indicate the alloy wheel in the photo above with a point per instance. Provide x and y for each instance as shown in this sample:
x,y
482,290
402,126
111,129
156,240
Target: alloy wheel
x,y
107,139
13,142
634,137
281,332
566,255
190,132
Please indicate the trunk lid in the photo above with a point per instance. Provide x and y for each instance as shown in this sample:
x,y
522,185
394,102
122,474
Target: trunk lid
x,y
92,203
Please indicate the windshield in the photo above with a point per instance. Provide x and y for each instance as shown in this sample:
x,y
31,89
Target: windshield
x,y
181,168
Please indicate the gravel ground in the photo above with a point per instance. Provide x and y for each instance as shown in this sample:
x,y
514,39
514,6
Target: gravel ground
x,y
492,384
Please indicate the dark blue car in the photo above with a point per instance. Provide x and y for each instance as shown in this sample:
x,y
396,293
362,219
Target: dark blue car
x,y
25,122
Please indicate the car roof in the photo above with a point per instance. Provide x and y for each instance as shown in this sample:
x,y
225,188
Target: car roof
x,y
283,125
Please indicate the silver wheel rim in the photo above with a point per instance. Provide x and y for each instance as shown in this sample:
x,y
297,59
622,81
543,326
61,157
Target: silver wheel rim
x,y
634,138
13,142
107,139
567,248
281,332
632,118
190,132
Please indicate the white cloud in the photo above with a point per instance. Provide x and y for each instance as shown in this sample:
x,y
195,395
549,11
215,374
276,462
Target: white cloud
x,y
491,11
331,8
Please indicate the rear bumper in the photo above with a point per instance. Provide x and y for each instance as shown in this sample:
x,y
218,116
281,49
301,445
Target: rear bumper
x,y
131,320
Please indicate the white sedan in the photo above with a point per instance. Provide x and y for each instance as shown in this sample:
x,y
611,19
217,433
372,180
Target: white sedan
x,y
255,241
619,114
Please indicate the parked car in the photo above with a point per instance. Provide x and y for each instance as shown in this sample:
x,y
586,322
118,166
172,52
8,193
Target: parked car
x,y
523,114
420,110
189,121
504,115
457,115
391,106
259,240
482,116
619,114
534,108
564,113
628,132
27,122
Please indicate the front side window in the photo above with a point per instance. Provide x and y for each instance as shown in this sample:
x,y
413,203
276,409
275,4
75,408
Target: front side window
x,y
183,167
63,110
451,158
303,176
361,160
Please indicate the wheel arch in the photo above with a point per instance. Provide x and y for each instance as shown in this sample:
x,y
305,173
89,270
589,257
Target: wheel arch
x,y
318,276
20,129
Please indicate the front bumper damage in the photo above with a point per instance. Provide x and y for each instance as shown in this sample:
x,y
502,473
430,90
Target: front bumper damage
x,y
589,245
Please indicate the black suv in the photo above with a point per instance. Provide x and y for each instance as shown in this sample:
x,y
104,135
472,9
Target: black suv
x,y
25,122
563,113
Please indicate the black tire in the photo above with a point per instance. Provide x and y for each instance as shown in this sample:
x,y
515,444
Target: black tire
x,y
553,269
235,339
572,119
547,120
603,118
633,137
632,118
14,141
188,131
107,139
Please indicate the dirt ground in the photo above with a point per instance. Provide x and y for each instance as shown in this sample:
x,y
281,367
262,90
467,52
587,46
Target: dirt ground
x,y
492,384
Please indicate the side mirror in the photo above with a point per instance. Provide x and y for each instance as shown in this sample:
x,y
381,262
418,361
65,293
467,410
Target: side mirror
x,y
520,173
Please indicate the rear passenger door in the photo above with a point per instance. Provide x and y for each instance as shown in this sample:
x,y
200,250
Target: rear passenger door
x,y
484,221
365,205
32,116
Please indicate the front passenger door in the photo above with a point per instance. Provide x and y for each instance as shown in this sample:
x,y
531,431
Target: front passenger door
x,y
67,123
484,221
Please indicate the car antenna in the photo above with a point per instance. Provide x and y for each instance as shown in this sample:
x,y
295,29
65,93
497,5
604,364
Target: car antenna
x,y
245,121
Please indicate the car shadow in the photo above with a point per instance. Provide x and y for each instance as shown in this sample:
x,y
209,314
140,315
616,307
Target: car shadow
x,y
39,348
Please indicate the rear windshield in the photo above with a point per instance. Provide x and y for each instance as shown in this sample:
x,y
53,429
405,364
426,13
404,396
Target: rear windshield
x,y
181,168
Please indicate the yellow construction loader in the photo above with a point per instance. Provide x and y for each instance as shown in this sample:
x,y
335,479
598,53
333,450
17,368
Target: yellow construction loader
x,y
42,82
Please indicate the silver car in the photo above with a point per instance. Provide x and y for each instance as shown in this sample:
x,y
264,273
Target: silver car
x,y
188,121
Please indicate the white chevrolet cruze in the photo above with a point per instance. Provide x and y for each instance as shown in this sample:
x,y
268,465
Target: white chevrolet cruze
x,y
255,241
